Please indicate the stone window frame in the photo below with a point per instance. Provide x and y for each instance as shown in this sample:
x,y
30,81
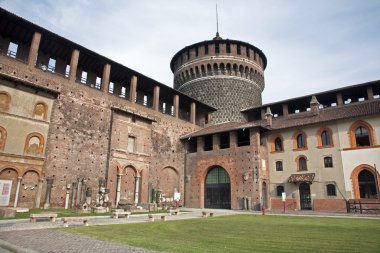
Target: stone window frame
x,y
298,162
273,143
8,105
130,136
295,140
324,161
278,187
282,165
46,109
320,140
352,130
40,147
355,178
331,192
3,138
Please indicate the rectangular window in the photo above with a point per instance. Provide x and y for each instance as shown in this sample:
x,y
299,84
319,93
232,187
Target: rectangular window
x,y
331,190
111,87
224,140
83,78
98,83
217,48
238,48
247,52
206,49
328,161
228,48
279,166
51,65
279,190
192,148
188,54
131,144
207,143
12,50
196,52
243,138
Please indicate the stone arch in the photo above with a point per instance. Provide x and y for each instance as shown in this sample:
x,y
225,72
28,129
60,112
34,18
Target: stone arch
x,y
325,132
203,70
28,188
241,70
192,73
39,174
235,69
217,188
34,144
169,182
228,69
354,127
251,74
3,137
209,69
197,74
128,182
11,173
355,178
5,101
40,110
215,69
187,75
222,68
246,72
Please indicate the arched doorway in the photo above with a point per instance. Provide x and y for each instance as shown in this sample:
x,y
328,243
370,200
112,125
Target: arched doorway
x,y
168,183
128,181
367,185
217,189
305,196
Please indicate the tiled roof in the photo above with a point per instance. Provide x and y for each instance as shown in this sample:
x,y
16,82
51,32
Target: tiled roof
x,y
218,128
357,109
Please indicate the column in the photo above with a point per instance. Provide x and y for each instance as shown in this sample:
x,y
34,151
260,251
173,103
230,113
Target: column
x,y
200,143
17,191
370,93
233,139
38,195
73,193
106,77
176,105
285,110
192,112
133,89
49,185
137,187
339,99
33,51
156,98
73,65
215,142
79,191
118,188
68,186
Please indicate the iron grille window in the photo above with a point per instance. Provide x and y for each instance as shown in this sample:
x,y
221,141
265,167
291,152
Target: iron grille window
x,y
279,166
331,190
217,176
279,190
328,161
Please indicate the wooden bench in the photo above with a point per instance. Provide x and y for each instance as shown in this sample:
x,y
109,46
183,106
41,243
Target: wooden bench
x,y
35,216
162,216
116,214
173,211
66,220
207,214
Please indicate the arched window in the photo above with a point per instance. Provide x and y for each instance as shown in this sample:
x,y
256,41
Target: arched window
x,y
34,144
5,101
326,138
278,144
302,163
367,185
40,111
362,137
331,190
279,166
279,190
361,134
299,140
3,137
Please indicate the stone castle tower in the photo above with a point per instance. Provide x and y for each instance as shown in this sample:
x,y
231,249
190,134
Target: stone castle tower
x,y
226,74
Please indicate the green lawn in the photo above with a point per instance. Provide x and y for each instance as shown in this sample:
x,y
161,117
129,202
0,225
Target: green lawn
x,y
245,233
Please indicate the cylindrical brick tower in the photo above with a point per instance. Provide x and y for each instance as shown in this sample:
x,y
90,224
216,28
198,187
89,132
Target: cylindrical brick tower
x,y
226,74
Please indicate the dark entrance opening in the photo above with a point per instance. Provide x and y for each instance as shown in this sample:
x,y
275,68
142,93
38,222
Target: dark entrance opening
x,y
367,185
217,189
305,197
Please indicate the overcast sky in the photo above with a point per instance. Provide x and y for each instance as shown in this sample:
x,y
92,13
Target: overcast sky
x,y
311,46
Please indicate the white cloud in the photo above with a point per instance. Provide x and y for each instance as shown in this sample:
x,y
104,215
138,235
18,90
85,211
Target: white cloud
x,y
311,46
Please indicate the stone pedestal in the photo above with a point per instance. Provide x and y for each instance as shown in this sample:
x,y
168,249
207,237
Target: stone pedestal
x,y
7,213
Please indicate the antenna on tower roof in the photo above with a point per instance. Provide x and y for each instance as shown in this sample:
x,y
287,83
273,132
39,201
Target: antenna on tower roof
x,y
217,37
